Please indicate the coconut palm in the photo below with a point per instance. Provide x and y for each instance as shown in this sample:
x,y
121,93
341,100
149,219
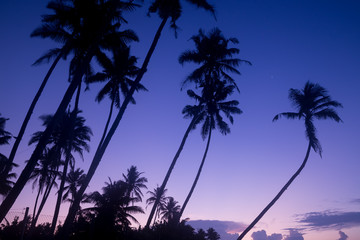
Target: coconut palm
x,y
214,103
312,102
5,136
113,208
7,183
118,73
215,57
171,210
74,180
162,202
134,183
43,178
166,9
95,26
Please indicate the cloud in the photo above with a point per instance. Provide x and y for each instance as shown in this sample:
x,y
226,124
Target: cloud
x,y
330,220
343,236
294,235
227,230
356,201
262,235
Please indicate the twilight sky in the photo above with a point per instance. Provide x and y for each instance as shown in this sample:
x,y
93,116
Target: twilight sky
x,y
289,43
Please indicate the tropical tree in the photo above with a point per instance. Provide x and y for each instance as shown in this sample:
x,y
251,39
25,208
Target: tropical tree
x,y
95,26
215,57
171,210
74,180
5,136
134,183
155,195
209,114
6,183
113,208
211,234
312,102
166,9
118,72
43,177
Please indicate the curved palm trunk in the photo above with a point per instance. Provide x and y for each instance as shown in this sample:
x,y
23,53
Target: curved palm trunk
x,y
101,149
35,205
25,174
27,118
277,196
196,178
107,123
43,201
172,165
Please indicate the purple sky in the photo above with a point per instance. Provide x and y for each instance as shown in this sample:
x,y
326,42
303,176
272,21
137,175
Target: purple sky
x,y
289,43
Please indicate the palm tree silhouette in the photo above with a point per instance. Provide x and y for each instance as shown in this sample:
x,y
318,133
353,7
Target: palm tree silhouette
x,y
213,99
166,9
95,24
134,183
215,57
5,136
118,73
162,202
44,176
312,102
74,180
113,208
171,210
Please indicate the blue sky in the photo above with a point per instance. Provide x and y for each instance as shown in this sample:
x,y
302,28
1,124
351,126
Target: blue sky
x,y
289,43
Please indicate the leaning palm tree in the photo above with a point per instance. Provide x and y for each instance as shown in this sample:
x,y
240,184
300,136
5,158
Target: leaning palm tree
x,y
312,102
214,99
95,26
74,180
166,9
155,195
215,57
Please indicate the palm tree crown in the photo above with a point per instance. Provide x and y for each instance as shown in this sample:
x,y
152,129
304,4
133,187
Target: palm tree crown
x,y
134,183
4,135
311,102
215,57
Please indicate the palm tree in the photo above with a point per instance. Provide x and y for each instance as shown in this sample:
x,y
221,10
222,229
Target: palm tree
x,y
113,207
6,183
166,9
95,26
134,183
155,195
312,102
213,99
171,210
118,73
215,58
5,136
74,180
43,177
211,234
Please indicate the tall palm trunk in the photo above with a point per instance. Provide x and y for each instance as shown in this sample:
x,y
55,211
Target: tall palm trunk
x,y
172,165
60,192
27,118
101,149
43,201
107,123
277,196
196,178
25,174
36,202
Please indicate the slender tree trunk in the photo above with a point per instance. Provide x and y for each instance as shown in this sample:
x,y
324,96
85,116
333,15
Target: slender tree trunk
x,y
35,205
172,165
43,201
25,174
60,192
196,178
277,196
107,123
27,118
101,149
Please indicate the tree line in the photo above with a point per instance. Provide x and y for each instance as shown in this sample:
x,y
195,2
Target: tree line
x,y
96,30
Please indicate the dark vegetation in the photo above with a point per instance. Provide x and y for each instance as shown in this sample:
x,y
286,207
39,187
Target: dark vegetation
x,y
89,30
